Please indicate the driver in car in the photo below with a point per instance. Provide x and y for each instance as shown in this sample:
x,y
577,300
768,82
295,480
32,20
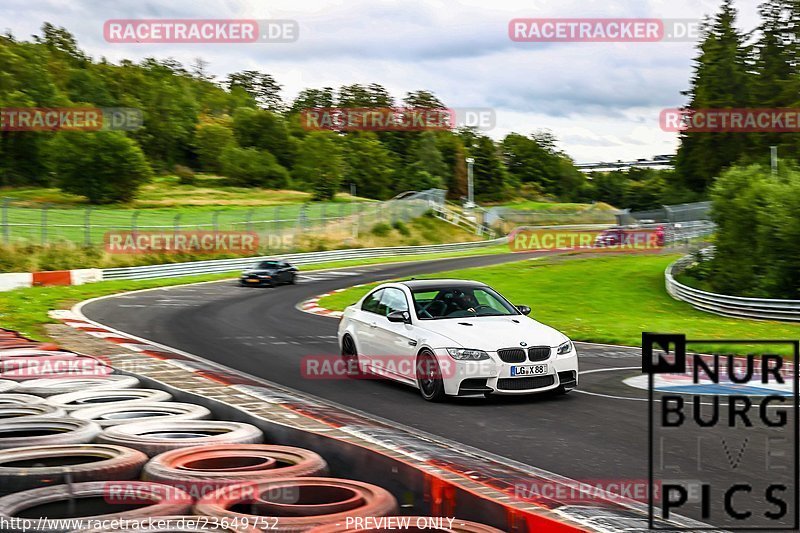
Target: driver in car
x,y
464,301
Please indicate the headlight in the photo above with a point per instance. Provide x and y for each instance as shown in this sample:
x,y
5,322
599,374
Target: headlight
x,y
466,354
564,348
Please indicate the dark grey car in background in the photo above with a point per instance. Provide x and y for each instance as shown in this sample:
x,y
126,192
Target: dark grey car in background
x,y
269,273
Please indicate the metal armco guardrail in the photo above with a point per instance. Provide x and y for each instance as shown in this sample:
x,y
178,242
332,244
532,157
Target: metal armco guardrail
x,y
220,266
230,265
732,306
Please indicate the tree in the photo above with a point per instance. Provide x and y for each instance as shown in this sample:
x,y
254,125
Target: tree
x,y
454,156
369,165
210,140
489,174
105,167
262,87
250,167
263,129
310,98
721,80
428,159
320,165
423,99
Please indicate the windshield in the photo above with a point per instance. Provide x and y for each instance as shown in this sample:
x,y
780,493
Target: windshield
x,y
460,302
267,265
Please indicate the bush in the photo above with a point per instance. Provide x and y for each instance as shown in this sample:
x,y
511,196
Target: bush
x,y
401,228
104,166
381,229
185,175
758,232
250,167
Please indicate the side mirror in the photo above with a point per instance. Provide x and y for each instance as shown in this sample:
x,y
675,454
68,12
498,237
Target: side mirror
x,y
524,309
399,316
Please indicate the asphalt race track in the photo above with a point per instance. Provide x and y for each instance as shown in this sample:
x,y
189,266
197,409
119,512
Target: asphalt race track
x,y
597,433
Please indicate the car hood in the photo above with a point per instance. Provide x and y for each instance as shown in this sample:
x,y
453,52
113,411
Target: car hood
x,y
490,333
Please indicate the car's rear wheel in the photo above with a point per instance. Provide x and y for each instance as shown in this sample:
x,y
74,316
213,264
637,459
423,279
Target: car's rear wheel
x,y
350,356
293,279
429,377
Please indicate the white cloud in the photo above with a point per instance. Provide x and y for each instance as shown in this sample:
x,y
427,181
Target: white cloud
x,y
600,99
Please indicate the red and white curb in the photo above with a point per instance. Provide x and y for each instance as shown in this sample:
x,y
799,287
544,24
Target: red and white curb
x,y
312,306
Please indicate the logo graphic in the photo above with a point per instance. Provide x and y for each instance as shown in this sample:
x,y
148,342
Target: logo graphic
x,y
723,434
523,343
663,354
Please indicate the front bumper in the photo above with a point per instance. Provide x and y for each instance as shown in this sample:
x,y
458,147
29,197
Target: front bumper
x,y
463,378
250,281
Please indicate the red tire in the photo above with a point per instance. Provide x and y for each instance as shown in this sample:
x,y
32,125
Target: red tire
x,y
410,524
99,500
201,470
298,504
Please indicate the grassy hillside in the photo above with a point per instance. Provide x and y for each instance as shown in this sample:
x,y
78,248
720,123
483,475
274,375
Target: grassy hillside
x,y
609,299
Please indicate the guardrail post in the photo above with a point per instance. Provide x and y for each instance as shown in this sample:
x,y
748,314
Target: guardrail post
x,y
45,207
6,228
135,222
215,221
177,224
248,220
87,226
276,220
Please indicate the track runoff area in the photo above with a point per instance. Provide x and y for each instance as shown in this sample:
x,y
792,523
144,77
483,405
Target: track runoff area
x,y
711,439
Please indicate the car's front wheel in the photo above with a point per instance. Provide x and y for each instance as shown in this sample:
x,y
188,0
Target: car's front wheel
x,y
350,356
429,377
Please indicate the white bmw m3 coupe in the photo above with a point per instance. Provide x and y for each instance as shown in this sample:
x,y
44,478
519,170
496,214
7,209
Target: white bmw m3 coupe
x,y
455,337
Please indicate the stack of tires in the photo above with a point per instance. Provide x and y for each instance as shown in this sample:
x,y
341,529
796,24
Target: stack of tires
x,y
102,449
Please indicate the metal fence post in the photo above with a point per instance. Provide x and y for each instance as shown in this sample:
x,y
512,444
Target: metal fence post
x,y
177,224
6,228
87,226
248,221
215,221
134,222
45,207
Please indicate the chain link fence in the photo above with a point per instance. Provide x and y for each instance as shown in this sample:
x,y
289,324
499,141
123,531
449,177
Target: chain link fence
x,y
23,222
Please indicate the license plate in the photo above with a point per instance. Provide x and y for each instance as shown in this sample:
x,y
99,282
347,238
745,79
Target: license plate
x,y
253,280
535,370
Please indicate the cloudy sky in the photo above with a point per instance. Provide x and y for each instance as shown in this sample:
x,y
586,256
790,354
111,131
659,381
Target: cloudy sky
x,y
601,100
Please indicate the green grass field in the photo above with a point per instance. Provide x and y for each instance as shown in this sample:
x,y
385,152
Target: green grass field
x,y
164,204
25,310
553,207
604,299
